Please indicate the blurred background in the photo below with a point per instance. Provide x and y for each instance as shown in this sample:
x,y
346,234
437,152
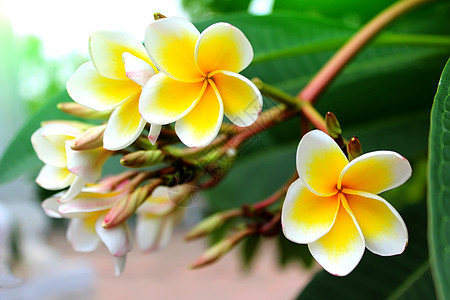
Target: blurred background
x,y
384,97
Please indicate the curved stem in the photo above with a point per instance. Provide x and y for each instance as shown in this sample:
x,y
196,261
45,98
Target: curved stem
x,y
331,69
277,195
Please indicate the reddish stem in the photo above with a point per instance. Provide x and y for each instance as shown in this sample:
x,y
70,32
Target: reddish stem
x,y
334,66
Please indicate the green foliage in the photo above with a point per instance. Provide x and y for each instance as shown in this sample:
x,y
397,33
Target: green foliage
x,y
291,252
352,12
201,9
249,249
406,276
384,96
439,186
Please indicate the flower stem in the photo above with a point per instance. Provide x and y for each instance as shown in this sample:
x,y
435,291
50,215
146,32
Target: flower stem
x,y
275,196
332,68
306,108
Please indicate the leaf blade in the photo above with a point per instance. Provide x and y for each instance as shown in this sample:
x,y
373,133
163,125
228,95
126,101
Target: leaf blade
x,y
439,186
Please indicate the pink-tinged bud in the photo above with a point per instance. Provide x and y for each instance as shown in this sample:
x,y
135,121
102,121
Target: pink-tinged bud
x,y
90,139
158,16
210,224
333,127
354,148
128,205
81,111
219,249
142,159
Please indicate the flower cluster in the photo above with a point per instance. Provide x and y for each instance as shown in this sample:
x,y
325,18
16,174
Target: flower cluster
x,y
192,79
179,76
194,83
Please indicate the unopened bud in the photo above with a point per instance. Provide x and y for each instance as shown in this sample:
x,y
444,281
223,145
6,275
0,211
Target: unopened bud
x,y
333,126
80,125
354,148
158,16
90,139
219,249
128,205
143,143
142,158
211,223
205,227
81,111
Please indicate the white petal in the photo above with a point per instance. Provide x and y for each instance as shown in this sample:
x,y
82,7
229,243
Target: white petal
x,y
376,172
147,232
106,49
119,264
81,234
86,164
116,239
202,124
382,226
305,216
75,188
124,126
320,162
87,87
89,202
54,178
165,100
166,231
49,143
136,69
222,46
51,207
170,42
154,132
242,101
340,250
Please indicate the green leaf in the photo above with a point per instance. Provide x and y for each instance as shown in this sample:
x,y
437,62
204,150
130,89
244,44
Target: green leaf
x,y
406,276
289,251
439,186
19,156
249,249
368,97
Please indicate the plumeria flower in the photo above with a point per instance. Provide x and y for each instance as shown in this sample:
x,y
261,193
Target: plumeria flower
x,y
199,79
86,212
63,166
113,81
334,207
157,217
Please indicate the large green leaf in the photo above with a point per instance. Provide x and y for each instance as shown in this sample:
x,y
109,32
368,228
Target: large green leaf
x,y
369,97
19,157
406,276
439,186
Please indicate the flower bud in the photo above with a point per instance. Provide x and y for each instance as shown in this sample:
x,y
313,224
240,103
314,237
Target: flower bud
x,y
81,111
219,249
333,126
158,16
80,125
354,148
143,158
128,205
211,223
205,227
90,139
